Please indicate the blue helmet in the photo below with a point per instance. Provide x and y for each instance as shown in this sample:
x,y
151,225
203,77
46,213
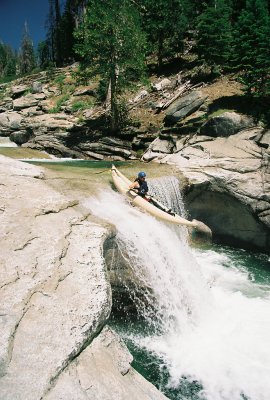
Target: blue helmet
x,y
141,175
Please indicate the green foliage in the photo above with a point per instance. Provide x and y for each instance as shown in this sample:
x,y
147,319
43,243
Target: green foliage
x,y
165,23
252,47
8,63
60,102
50,71
214,34
82,75
26,56
81,105
67,27
43,52
112,43
59,81
123,114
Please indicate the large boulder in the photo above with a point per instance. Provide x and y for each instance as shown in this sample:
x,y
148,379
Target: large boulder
x,y
229,185
106,149
55,299
6,104
30,100
58,121
18,90
20,137
36,87
55,296
184,106
10,121
226,124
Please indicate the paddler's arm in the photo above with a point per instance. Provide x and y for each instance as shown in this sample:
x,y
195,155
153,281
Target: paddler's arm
x,y
134,185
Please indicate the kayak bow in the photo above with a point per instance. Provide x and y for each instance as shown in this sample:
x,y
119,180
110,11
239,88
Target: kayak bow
x,y
122,184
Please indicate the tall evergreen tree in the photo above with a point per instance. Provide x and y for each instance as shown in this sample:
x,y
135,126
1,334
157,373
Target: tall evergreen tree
x,y
214,33
26,56
67,27
252,47
112,44
8,62
43,52
10,69
54,32
165,23
57,38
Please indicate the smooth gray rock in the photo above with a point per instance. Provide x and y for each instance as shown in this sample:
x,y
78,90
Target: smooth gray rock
x,y
161,146
229,186
6,104
10,121
51,121
37,87
20,137
226,124
25,102
18,90
103,372
55,298
184,106
163,84
105,149
263,139
116,142
55,295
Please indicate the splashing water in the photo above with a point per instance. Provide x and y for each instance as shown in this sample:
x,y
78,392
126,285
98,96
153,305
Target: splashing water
x,y
167,191
209,330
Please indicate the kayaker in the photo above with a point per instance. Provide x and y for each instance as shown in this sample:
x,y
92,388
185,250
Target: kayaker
x,y
140,184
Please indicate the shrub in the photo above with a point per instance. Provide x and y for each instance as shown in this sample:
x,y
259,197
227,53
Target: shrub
x,y
81,105
59,103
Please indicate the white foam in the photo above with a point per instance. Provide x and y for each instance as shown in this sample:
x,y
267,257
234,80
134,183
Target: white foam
x,y
214,328
6,142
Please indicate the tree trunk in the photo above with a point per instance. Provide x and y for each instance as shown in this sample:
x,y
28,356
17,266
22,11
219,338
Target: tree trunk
x,y
160,51
58,44
114,109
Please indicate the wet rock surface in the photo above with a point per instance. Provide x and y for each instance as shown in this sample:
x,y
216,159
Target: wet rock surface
x,y
103,372
229,184
55,298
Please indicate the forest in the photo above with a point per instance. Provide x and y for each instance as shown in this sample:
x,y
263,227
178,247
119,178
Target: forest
x,y
122,41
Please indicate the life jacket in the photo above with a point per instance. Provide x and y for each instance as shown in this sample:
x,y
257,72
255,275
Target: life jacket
x,y
143,189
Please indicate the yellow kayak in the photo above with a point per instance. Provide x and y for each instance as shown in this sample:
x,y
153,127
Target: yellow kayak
x,y
122,184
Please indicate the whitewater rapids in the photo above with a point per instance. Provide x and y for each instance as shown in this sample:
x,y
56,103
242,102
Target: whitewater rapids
x,y
213,323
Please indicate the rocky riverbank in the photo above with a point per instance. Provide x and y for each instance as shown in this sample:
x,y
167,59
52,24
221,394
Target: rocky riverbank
x,y
223,153
228,183
56,298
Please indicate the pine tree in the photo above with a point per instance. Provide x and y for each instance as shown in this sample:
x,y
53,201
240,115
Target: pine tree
x,y
165,23
54,40
43,52
3,59
67,27
26,56
8,62
11,63
252,47
112,44
214,34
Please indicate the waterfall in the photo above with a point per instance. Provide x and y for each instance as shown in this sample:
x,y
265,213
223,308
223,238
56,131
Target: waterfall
x,y
167,191
207,329
6,142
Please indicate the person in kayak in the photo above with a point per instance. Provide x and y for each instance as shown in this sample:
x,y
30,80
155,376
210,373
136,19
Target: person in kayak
x,y
140,184
141,187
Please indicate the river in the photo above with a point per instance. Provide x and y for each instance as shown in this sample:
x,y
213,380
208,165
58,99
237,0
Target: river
x,y
204,333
